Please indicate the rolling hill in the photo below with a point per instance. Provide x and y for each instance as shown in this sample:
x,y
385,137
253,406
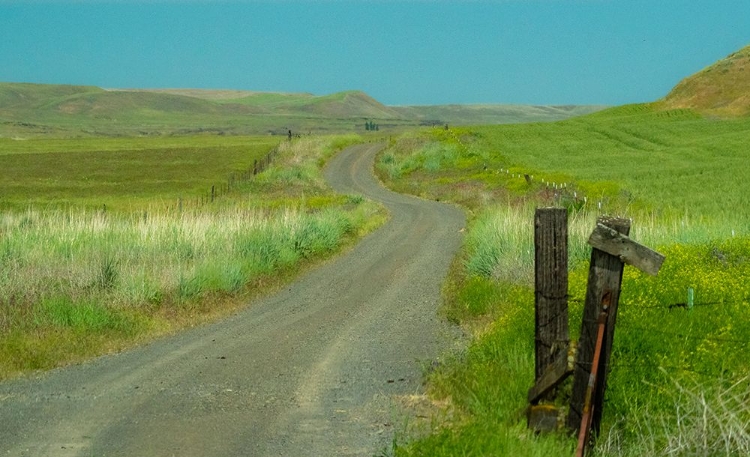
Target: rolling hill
x,y
64,110
722,89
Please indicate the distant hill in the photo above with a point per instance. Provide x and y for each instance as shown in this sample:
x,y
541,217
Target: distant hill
x,y
206,94
494,114
63,110
359,104
722,89
350,104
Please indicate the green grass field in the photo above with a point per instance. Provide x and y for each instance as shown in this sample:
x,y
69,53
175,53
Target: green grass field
x,y
668,161
679,376
120,173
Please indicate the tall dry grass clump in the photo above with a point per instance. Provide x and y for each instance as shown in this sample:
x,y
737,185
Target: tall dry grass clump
x,y
706,419
96,272
500,242
142,259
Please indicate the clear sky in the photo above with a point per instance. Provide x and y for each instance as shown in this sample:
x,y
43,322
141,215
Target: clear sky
x,y
400,52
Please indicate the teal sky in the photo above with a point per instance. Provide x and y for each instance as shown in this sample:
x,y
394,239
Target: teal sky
x,y
400,52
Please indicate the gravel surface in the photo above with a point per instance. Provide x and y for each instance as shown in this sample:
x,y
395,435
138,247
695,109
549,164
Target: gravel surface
x,y
312,370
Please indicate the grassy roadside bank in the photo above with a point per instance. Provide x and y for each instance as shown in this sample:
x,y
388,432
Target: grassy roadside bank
x,y
77,282
679,380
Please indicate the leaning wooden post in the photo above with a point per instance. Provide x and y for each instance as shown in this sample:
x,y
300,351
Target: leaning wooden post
x,y
605,279
551,286
612,249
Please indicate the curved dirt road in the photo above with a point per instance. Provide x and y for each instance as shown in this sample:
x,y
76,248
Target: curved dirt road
x,y
309,371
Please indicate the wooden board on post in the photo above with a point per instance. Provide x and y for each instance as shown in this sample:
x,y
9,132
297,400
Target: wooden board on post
x,y
555,373
604,283
628,251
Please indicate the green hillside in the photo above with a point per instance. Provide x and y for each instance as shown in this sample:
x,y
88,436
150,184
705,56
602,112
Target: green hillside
x,y
346,104
43,110
23,95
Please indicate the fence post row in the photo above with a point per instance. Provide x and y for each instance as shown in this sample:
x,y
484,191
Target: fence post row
x,y
258,167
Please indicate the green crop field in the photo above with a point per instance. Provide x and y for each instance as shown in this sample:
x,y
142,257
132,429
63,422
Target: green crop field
x,y
679,376
120,173
669,161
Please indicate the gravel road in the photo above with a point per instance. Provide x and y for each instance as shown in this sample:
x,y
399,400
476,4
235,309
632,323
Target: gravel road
x,y
309,371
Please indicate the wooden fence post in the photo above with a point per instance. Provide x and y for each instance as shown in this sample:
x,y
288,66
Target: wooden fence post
x,y
551,286
552,339
603,291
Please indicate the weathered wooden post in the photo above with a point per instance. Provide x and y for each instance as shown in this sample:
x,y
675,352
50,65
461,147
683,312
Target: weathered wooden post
x,y
612,248
551,286
551,312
